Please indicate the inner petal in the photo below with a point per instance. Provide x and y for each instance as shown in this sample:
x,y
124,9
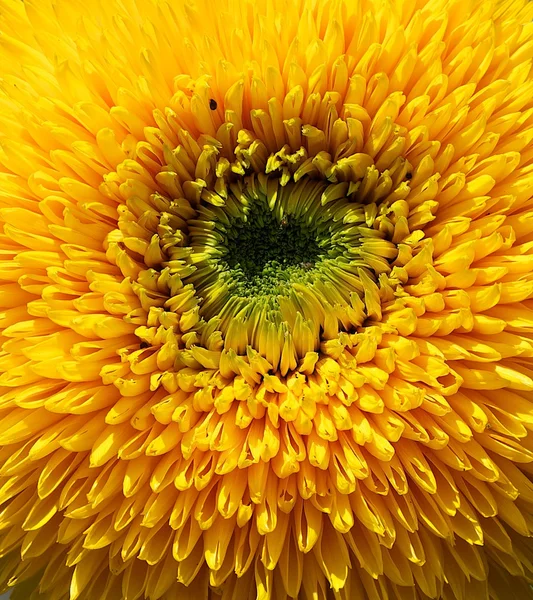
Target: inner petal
x,y
272,258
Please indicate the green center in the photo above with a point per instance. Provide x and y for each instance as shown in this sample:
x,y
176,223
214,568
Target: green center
x,y
268,252
264,252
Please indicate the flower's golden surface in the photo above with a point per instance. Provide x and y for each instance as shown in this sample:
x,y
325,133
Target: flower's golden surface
x,y
266,292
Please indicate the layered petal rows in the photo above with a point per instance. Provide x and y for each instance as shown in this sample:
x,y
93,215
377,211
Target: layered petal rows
x,y
266,299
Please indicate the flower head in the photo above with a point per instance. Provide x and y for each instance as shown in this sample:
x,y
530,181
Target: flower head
x,y
266,290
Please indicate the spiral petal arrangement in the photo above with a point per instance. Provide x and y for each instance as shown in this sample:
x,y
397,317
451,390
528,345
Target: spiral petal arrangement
x,y
266,299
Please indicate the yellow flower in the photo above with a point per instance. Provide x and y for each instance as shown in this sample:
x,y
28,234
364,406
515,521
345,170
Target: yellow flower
x,y
266,299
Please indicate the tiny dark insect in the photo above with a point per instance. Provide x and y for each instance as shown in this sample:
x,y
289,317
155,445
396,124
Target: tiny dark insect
x,y
213,104
144,345
409,176
307,265
284,222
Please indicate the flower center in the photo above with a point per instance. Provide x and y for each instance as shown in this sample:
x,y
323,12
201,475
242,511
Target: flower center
x,y
265,251
275,264
271,259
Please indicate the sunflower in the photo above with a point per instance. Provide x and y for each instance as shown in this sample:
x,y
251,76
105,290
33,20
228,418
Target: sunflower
x,y
266,290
